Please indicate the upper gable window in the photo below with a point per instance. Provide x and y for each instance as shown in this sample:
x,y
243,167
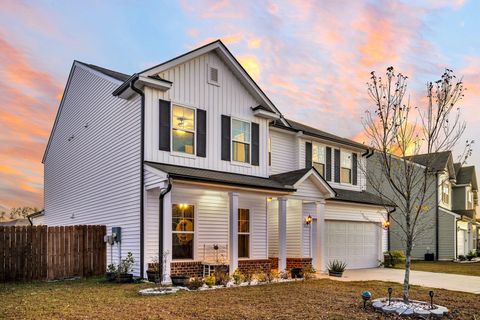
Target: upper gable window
x,y
241,134
213,75
469,199
318,158
183,129
445,192
346,167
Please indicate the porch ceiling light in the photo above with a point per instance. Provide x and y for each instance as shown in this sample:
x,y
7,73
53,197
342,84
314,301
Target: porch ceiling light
x,y
308,220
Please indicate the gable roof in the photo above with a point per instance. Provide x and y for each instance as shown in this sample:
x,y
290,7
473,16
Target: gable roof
x,y
436,161
466,175
212,176
296,177
310,131
111,73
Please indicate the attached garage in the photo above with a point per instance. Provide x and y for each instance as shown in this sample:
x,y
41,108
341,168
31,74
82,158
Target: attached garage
x,y
356,243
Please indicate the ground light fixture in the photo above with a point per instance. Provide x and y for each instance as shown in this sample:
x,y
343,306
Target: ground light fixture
x,y
366,295
390,290
308,220
431,294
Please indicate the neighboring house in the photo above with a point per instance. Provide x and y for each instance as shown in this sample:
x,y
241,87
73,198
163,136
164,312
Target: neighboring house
x,y
448,223
15,222
190,155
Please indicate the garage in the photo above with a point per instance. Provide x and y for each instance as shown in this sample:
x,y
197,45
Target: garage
x,y
356,243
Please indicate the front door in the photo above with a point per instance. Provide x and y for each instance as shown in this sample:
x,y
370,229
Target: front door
x,y
461,240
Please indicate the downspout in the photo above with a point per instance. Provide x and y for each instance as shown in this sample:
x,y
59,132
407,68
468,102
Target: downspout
x,y
163,193
437,220
142,157
456,238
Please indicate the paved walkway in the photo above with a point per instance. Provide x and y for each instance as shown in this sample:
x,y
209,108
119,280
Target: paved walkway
x,y
447,281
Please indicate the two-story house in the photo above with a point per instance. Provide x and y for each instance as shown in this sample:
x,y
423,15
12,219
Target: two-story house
x,y
196,164
447,226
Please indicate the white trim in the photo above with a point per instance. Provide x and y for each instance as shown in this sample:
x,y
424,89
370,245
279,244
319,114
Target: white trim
x,y
266,114
249,163
180,153
320,183
161,85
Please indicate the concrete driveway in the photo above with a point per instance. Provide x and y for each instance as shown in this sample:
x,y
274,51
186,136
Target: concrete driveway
x,y
447,281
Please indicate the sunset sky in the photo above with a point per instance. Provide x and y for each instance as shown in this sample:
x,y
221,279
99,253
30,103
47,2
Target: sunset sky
x,y
312,58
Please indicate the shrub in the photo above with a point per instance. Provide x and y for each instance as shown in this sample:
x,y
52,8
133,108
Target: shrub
x,y
195,283
248,277
126,265
238,277
261,276
112,268
308,273
272,275
470,255
210,281
461,257
336,266
393,257
221,277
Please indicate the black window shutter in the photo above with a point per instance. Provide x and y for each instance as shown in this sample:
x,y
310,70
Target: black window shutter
x,y
255,144
354,169
336,162
201,133
225,138
164,126
328,155
308,154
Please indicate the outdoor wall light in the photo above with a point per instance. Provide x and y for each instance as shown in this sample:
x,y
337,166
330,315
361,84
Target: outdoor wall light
x,y
269,199
308,220
386,224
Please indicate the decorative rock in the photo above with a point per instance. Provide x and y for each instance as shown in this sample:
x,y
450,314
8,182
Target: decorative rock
x,y
377,304
439,311
408,312
421,312
414,307
401,310
389,309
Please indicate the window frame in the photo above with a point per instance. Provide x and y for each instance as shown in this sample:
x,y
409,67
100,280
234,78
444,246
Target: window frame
x,y
233,140
470,200
445,186
181,153
249,233
319,145
195,228
342,151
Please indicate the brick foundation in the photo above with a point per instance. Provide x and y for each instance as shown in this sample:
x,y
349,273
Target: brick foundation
x,y
252,266
292,262
190,268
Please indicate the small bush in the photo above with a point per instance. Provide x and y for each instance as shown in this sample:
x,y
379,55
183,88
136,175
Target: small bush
x,y
393,257
308,273
238,277
126,265
470,256
210,281
248,277
261,276
272,275
336,266
195,283
221,277
462,257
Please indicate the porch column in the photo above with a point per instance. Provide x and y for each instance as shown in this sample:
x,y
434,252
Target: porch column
x,y
282,233
167,238
233,235
321,263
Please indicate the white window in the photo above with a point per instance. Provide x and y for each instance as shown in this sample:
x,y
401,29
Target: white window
x,y
469,199
243,233
445,192
213,75
183,129
241,140
345,167
318,158
183,229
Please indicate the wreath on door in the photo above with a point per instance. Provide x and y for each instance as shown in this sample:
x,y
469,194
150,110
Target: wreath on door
x,y
184,225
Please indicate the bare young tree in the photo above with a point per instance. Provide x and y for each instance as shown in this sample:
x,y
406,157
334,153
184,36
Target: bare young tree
x,y
398,131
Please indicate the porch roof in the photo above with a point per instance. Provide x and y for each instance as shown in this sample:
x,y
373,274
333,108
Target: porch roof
x,y
363,197
470,214
227,178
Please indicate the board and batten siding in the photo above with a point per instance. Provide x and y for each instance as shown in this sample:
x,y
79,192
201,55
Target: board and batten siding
x,y
92,164
190,88
283,150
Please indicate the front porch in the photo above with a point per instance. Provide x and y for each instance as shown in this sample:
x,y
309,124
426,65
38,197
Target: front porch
x,y
248,229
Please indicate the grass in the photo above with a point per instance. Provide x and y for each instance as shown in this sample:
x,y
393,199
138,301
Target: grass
x,y
315,299
469,269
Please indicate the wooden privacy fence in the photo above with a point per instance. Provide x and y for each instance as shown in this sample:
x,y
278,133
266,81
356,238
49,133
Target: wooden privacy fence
x,y
47,253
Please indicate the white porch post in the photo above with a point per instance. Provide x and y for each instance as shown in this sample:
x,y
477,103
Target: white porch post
x,y
167,238
233,235
321,263
282,233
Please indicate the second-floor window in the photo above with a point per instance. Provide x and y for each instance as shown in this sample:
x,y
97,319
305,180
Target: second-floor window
x,y
469,199
318,158
241,135
183,129
445,192
345,167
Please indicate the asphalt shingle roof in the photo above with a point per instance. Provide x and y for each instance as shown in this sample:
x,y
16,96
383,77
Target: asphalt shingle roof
x,y
437,161
195,174
291,177
358,197
111,73
465,175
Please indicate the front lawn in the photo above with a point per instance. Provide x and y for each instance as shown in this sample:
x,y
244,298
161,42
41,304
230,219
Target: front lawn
x,y
315,299
469,269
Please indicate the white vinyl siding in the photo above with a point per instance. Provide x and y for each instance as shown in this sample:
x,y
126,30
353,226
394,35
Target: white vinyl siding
x,y
308,189
446,237
284,155
94,178
190,87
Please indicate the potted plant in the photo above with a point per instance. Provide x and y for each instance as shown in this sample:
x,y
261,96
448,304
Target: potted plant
x,y
125,268
153,271
111,273
336,268
296,273
180,280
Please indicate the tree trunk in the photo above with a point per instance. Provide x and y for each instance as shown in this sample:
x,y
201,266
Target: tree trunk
x,y
406,279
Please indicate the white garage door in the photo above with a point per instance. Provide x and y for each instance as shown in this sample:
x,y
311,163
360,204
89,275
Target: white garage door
x,y
355,243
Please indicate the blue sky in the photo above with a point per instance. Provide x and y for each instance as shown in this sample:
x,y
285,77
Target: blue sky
x,y
312,58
